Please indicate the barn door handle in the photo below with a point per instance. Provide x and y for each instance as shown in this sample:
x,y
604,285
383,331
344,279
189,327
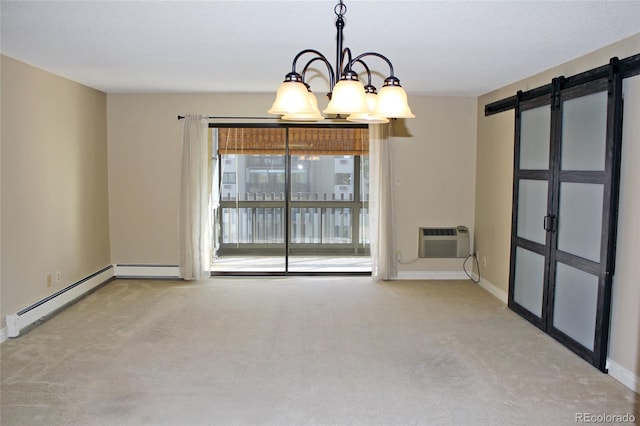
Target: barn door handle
x,y
549,223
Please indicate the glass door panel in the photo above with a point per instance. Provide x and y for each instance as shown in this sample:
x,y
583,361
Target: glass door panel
x,y
575,304
325,214
529,279
535,125
580,219
251,216
532,208
584,132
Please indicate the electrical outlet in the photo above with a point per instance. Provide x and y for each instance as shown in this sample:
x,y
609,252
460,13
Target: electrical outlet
x,y
484,261
49,280
58,276
398,256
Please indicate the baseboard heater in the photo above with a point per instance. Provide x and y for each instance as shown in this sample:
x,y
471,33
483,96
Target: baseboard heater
x,y
443,242
33,313
134,270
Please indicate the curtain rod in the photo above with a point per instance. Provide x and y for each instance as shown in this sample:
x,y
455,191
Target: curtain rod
x,y
277,121
214,117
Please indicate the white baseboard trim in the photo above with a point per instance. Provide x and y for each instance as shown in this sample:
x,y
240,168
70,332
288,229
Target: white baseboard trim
x,y
146,271
432,275
40,309
495,290
624,376
3,334
616,371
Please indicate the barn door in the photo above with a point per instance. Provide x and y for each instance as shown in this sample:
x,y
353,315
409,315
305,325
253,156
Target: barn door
x,y
567,157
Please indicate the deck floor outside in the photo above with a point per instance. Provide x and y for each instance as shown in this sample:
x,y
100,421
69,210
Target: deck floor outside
x,y
307,264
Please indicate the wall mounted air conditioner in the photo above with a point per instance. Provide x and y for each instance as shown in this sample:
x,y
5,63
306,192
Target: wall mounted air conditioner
x,y
443,242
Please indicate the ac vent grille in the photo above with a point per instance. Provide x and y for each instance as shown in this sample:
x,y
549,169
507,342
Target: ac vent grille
x,y
443,242
439,232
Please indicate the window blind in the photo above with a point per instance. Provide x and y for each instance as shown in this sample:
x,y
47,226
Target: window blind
x,y
302,141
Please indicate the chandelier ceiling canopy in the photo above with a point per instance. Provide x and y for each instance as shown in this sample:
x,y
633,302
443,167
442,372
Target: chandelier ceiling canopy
x,y
348,96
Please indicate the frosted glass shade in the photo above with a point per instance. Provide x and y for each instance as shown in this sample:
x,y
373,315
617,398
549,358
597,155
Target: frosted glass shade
x,y
369,117
312,114
392,103
347,98
291,98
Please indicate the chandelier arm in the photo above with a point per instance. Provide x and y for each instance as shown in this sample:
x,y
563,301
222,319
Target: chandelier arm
x,y
304,52
379,55
332,78
345,52
361,62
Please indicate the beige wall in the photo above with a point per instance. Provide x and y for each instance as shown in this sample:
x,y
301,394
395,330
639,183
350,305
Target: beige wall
x,y
436,165
54,184
493,196
625,320
144,167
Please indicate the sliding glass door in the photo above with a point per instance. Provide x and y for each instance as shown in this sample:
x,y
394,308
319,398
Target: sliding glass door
x,y
328,210
290,199
250,218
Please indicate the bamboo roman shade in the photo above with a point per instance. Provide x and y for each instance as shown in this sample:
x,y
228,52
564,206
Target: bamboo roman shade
x,y
332,141
302,141
251,140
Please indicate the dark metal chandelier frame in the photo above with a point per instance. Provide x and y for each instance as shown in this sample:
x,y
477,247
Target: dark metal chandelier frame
x,y
341,52
361,105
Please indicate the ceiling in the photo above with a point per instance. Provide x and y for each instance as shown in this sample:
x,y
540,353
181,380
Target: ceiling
x,y
464,48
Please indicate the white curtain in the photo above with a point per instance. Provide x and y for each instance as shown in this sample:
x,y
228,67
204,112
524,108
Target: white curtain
x,y
194,227
381,218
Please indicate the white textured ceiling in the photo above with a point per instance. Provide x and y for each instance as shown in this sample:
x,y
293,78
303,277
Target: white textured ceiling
x,y
437,47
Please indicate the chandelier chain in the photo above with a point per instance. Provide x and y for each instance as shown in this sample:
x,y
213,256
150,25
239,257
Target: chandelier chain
x,y
340,9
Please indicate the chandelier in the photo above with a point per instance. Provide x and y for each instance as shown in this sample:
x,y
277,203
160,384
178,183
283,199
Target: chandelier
x,y
348,97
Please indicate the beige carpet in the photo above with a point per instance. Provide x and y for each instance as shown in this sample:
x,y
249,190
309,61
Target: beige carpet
x,y
296,351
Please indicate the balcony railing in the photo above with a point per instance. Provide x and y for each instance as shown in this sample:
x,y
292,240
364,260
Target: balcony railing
x,y
318,224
